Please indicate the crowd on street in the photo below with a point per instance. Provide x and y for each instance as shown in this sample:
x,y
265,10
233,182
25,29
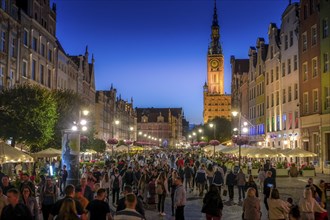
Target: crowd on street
x,y
132,184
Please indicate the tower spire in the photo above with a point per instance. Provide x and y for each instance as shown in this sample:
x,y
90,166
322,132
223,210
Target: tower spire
x,y
215,47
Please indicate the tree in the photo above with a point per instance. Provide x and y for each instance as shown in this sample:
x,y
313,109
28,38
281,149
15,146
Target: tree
x,y
222,129
27,115
68,106
98,145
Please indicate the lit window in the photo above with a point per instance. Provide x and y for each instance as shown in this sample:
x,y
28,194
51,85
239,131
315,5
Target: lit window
x,y
314,35
315,100
305,102
314,67
325,27
304,41
305,71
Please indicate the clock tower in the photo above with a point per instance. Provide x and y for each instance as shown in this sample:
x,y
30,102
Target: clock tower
x,y
215,70
216,102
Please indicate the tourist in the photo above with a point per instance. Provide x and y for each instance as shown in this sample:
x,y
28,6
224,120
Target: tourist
x,y
98,208
96,174
15,210
240,178
80,197
64,177
179,199
172,186
27,182
251,205
69,195
86,189
6,185
143,186
218,178
161,190
212,204
105,184
251,183
268,185
121,203
278,209
129,213
128,177
115,183
188,175
293,170
68,211
201,179
261,178
3,200
47,197
30,201
231,182
209,174
308,206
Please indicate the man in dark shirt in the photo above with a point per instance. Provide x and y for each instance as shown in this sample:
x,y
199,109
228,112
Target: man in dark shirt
x,y
69,194
98,208
121,202
86,190
6,185
97,174
15,210
268,184
26,182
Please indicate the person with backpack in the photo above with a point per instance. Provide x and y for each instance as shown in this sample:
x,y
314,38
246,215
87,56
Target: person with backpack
x,y
188,173
218,178
47,198
128,177
115,183
201,179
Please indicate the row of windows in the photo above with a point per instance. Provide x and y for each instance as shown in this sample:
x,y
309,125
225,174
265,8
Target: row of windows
x,y
288,42
314,69
315,102
288,122
257,111
274,98
256,91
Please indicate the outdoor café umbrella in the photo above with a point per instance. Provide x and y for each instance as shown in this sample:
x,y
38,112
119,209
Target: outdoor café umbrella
x,y
262,153
298,152
49,152
9,154
121,148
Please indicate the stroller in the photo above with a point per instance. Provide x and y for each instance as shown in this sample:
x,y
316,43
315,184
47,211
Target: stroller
x,y
151,198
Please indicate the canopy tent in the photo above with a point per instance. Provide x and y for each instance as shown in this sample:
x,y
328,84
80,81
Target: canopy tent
x,y
261,152
49,152
211,148
90,151
121,148
298,152
9,154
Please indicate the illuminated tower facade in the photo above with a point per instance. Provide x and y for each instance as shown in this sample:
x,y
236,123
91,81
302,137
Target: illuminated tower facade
x,y
216,102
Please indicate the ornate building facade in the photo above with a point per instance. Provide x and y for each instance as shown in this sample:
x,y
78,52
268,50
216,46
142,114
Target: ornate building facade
x,y
216,102
160,126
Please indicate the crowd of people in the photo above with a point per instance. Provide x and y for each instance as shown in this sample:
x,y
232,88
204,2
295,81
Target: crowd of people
x,y
131,184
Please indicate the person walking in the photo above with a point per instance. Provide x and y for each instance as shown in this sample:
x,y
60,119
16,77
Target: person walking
x,y
179,199
161,190
212,204
251,205
3,200
105,184
240,178
30,201
121,203
261,178
15,210
268,185
201,179
115,183
68,211
251,183
308,206
188,174
231,182
218,178
210,175
278,209
98,208
47,197
129,212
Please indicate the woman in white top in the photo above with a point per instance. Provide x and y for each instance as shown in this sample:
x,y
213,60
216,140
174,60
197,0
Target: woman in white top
x,y
105,183
278,209
308,206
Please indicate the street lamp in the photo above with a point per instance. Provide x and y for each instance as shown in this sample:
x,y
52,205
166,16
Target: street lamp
x,y
211,126
238,138
71,144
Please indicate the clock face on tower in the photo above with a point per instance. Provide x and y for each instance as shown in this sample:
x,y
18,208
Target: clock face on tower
x,y
214,64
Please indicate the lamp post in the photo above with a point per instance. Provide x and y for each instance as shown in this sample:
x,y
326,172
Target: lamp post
x,y
71,147
238,138
214,128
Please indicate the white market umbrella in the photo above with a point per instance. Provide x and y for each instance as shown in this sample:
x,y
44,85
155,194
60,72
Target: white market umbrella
x,y
9,154
49,152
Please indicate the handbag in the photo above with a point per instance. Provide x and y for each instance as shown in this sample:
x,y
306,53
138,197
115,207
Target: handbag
x,y
224,192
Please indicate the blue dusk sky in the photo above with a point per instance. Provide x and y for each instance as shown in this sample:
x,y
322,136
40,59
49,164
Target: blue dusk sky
x,y
155,50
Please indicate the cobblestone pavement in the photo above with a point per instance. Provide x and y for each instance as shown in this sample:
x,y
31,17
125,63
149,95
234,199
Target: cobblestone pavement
x,y
288,187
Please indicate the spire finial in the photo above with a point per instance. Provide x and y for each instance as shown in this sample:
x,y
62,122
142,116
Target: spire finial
x,y
215,14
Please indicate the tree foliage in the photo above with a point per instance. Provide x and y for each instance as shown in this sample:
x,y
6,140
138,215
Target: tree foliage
x,y
27,115
98,145
68,106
